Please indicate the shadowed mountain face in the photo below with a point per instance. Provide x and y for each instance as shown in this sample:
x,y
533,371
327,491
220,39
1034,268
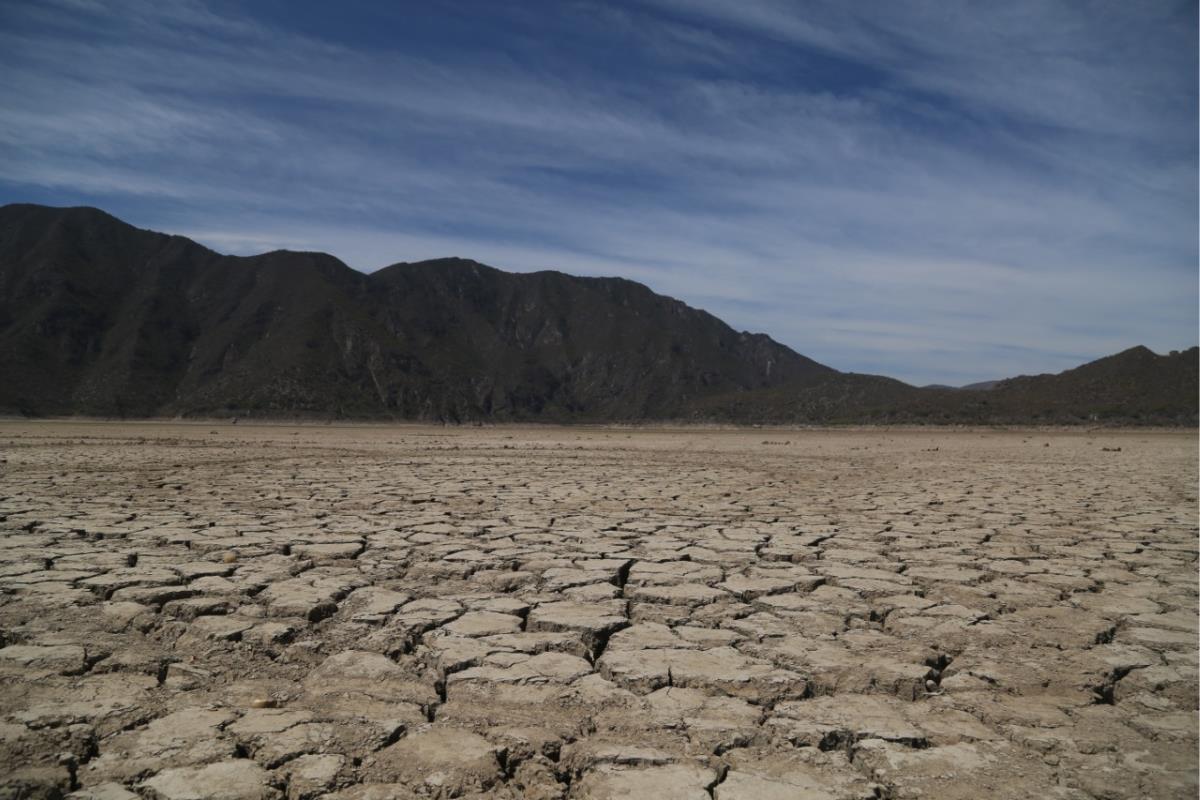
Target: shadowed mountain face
x,y
100,318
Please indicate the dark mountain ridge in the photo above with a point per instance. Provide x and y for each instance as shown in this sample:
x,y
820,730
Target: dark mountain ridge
x,y
98,317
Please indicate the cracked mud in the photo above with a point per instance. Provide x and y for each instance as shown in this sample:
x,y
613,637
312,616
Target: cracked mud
x,y
234,611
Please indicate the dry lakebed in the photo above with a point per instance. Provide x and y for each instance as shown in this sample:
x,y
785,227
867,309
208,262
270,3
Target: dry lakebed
x,y
361,612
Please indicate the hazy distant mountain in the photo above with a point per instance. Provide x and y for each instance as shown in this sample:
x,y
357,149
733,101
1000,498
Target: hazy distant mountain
x,y
100,318
981,386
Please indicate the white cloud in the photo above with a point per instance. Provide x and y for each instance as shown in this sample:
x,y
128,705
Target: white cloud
x,y
1044,203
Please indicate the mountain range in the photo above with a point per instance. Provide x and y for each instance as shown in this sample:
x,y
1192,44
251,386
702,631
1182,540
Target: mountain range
x,y
100,318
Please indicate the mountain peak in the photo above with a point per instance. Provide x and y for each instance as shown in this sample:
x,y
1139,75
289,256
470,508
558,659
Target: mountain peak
x,y
31,213
99,317
137,327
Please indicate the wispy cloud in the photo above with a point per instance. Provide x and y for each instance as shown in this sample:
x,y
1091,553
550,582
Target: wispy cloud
x,y
940,194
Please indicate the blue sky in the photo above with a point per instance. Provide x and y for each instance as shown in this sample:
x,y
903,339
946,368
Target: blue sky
x,y
938,191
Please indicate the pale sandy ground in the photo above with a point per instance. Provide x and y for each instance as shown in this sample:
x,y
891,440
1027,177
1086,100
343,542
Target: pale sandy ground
x,y
211,610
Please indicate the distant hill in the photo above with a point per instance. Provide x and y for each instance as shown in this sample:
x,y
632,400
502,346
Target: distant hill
x,y
1133,384
1132,387
100,318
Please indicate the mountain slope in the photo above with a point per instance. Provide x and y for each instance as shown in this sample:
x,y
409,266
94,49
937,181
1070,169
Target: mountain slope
x,y
549,342
98,317
1134,384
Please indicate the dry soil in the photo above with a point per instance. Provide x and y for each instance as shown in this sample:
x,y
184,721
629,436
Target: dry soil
x,y
235,611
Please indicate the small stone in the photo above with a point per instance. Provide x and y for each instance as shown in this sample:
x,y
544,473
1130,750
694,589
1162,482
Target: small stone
x,y
229,558
931,686
263,702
